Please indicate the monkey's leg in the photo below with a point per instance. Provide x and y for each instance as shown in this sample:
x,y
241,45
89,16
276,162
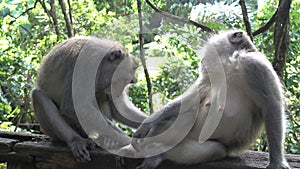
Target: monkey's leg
x,y
274,129
265,90
193,152
53,124
151,162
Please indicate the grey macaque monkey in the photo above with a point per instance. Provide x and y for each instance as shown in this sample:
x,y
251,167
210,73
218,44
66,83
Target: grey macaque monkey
x,y
52,97
250,96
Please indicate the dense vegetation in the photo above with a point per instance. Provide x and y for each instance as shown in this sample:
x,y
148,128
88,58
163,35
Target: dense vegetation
x,y
29,29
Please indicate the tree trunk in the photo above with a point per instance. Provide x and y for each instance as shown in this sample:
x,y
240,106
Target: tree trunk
x,y
282,36
67,18
142,53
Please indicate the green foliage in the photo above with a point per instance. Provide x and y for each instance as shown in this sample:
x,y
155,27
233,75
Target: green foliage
x,y
87,19
172,63
219,16
23,42
121,7
179,60
139,95
2,166
124,29
292,81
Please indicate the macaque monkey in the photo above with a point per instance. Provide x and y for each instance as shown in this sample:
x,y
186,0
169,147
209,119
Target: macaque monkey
x,y
250,96
52,98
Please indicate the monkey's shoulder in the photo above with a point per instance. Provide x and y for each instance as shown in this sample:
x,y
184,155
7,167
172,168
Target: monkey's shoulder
x,y
257,71
254,60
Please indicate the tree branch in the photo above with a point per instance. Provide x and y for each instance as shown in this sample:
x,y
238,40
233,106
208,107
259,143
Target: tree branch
x,y
282,36
11,22
266,26
180,19
70,11
69,25
54,18
46,10
246,18
141,38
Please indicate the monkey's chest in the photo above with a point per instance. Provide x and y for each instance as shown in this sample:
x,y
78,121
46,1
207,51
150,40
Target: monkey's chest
x,y
238,120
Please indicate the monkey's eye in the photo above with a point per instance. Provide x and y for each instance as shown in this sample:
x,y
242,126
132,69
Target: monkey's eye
x,y
134,80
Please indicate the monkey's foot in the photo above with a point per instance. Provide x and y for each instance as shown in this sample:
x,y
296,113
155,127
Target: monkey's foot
x,y
80,147
126,151
109,143
141,133
282,165
151,162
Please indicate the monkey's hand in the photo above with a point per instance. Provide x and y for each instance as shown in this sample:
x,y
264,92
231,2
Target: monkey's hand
x,y
126,151
151,162
282,165
80,147
138,136
152,129
109,143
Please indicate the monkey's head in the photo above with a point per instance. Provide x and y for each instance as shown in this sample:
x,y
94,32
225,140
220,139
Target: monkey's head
x,y
116,71
220,48
225,44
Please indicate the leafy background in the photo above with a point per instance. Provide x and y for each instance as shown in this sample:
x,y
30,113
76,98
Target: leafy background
x,y
170,49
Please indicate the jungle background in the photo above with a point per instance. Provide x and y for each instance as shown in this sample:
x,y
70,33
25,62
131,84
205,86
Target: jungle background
x,y
31,28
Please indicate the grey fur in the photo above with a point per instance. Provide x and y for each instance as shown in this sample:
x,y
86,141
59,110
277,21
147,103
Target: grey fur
x,y
254,97
52,98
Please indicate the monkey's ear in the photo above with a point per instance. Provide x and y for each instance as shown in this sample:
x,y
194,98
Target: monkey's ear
x,y
236,37
116,55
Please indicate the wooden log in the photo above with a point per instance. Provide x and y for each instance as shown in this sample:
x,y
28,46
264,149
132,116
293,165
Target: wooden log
x,y
23,136
26,151
6,144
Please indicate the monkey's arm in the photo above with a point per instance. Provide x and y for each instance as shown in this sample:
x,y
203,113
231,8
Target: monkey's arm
x,y
266,89
125,112
56,127
164,117
187,104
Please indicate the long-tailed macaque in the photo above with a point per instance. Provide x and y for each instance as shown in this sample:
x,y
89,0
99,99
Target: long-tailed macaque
x,y
53,100
238,85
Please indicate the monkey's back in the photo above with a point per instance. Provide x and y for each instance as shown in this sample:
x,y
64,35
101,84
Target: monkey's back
x,y
56,69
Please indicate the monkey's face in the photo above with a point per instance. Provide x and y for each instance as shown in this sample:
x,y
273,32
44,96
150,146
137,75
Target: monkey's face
x,y
117,70
227,43
222,46
240,40
219,50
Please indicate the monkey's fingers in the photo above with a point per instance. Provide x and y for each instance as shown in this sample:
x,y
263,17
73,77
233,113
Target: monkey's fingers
x,y
80,151
120,162
108,143
91,145
151,163
111,143
136,142
84,155
142,131
81,155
